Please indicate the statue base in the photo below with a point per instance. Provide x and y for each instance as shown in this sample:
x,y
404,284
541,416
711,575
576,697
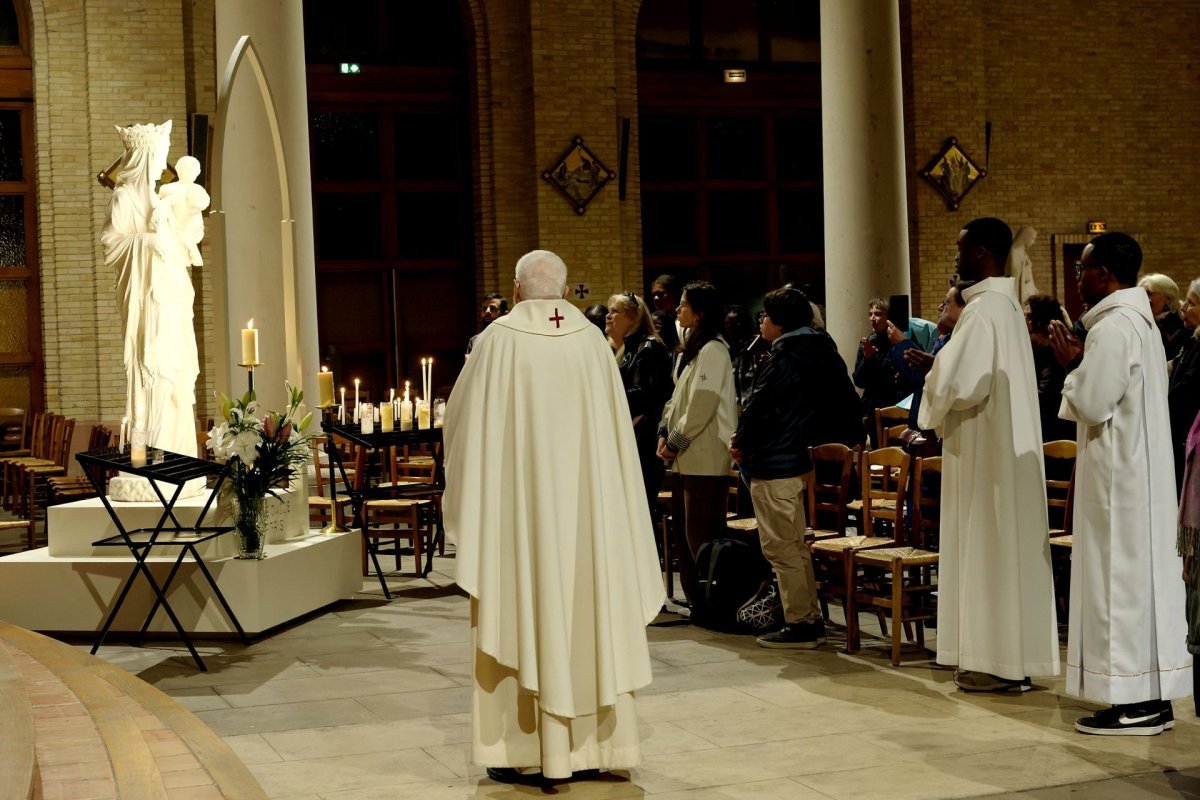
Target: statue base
x,y
136,489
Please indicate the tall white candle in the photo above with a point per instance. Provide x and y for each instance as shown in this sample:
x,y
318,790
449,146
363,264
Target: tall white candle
x,y
356,400
325,386
124,433
249,343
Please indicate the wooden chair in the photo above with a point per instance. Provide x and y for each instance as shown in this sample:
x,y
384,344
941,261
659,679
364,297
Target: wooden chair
x,y
828,490
886,417
383,518
21,524
31,475
323,513
14,425
900,580
892,434
40,438
1060,506
68,488
884,474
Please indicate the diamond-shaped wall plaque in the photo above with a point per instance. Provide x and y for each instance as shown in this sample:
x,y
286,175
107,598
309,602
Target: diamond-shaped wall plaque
x,y
578,174
953,173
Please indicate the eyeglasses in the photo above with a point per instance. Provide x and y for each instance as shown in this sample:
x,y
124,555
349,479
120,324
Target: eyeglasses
x,y
630,295
1080,267
760,316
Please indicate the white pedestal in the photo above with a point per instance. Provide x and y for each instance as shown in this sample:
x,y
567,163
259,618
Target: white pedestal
x,y
71,585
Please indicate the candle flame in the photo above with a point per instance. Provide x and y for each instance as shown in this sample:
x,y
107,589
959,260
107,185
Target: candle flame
x,y
324,369
250,324
356,381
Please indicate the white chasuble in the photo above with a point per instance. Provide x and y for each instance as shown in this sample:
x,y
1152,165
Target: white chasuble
x,y
545,502
995,588
1127,637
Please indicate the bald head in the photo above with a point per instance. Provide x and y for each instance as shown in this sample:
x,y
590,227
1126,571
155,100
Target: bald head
x,y
541,275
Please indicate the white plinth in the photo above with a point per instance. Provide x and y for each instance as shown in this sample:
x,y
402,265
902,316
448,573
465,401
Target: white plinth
x,y
71,585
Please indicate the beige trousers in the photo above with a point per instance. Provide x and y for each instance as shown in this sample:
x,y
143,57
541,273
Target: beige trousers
x,y
779,508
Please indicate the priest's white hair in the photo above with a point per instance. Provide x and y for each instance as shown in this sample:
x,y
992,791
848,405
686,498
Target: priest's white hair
x,y
542,275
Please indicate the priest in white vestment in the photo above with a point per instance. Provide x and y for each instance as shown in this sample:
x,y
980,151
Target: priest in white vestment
x,y
1126,644
996,617
545,502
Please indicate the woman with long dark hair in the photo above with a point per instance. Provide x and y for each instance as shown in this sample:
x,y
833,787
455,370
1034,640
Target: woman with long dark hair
x,y
693,437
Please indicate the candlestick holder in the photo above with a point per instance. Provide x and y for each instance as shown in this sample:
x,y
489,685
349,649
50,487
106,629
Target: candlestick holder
x,y
250,372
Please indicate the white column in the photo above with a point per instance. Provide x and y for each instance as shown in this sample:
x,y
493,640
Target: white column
x,y
862,127
257,231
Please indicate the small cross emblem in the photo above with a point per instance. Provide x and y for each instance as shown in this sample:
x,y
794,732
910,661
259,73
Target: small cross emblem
x,y
582,291
557,318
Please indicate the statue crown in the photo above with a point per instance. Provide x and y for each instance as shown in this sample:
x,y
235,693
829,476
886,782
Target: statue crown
x,y
137,137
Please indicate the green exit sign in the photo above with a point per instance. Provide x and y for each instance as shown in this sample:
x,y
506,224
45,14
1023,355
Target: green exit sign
x,y
350,69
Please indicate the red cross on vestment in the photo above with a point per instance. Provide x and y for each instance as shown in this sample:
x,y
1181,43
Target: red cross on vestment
x,y
557,318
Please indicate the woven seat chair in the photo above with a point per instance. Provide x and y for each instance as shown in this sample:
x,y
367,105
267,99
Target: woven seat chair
x,y
901,580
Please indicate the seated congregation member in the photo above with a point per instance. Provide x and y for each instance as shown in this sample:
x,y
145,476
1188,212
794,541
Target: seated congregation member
x,y
645,367
1163,294
995,615
1126,643
1183,391
1042,310
693,436
554,542
802,396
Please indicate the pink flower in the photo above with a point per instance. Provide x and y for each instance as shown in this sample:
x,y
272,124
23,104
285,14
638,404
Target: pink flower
x,y
269,426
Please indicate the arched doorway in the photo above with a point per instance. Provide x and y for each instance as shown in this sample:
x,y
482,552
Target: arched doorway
x,y
731,182
392,187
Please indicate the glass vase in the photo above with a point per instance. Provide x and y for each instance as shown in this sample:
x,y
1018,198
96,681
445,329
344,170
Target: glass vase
x,y
251,536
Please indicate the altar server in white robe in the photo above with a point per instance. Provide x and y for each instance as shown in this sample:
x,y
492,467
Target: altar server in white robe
x,y
1126,644
545,501
996,618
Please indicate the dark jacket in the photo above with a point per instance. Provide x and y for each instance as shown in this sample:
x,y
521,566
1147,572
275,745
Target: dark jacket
x,y
802,396
646,372
880,377
1183,399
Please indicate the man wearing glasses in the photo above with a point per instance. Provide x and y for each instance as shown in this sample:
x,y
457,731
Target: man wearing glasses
x,y
1126,644
996,619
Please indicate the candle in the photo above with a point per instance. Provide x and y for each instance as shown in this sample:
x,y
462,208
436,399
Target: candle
x,y
124,433
137,447
406,384
423,415
406,413
368,422
392,396
356,400
342,408
249,344
325,387
429,388
385,418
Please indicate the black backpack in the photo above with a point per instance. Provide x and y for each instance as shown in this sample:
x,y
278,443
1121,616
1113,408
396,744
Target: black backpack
x,y
729,572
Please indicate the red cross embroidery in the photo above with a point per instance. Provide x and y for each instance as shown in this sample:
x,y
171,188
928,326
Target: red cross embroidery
x,y
557,318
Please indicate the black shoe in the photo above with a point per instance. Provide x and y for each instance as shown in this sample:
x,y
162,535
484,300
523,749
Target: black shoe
x,y
1168,715
513,775
1128,720
795,636
972,681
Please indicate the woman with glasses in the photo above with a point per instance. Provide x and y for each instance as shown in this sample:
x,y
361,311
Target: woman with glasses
x,y
693,436
645,367
1164,304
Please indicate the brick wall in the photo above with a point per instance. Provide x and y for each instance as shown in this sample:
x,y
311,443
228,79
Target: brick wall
x,y
98,64
1093,108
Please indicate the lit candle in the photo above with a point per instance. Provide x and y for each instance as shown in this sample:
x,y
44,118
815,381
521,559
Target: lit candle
x,y
392,396
423,415
368,422
385,418
429,388
124,433
249,344
406,385
406,413
137,446
325,386
356,400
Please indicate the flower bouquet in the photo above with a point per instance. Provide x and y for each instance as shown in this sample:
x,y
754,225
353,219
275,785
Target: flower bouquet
x,y
264,454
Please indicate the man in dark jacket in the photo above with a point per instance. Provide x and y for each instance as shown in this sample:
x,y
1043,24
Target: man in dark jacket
x,y
802,396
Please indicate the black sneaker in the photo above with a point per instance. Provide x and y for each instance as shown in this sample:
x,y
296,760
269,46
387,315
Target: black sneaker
x,y
971,681
1136,719
795,636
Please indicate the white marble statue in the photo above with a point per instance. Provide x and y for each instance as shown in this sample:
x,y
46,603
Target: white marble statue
x,y
144,247
185,200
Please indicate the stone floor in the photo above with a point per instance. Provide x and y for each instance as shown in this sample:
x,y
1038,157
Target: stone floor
x,y
370,700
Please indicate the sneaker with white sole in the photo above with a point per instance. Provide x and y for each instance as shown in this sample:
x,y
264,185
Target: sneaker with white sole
x,y
1135,719
971,681
795,636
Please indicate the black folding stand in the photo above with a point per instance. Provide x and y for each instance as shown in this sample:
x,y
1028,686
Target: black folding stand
x,y
171,469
